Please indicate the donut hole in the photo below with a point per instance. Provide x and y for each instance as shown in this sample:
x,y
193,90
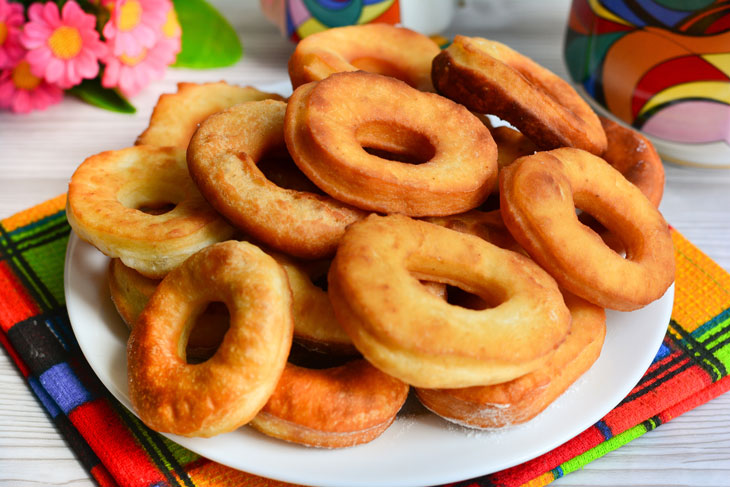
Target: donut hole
x,y
321,282
206,332
278,167
610,237
394,142
156,208
382,66
457,296
155,199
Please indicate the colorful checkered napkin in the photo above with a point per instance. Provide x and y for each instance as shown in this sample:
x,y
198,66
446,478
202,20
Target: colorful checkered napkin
x,y
690,369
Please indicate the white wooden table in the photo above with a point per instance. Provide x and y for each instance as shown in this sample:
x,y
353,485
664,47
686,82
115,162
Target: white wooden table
x,y
38,153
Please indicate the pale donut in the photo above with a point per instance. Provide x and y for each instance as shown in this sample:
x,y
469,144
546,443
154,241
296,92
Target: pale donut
x,y
106,191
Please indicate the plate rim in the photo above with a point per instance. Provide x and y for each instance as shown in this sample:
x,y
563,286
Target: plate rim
x,y
287,475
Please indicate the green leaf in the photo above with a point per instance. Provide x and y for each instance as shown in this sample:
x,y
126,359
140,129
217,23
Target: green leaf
x,y
91,91
208,40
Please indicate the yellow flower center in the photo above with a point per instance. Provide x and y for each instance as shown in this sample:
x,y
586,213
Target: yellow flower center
x,y
172,26
130,15
23,79
133,61
3,33
65,42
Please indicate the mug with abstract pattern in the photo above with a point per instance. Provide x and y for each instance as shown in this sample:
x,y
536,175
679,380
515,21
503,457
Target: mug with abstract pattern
x,y
297,19
660,66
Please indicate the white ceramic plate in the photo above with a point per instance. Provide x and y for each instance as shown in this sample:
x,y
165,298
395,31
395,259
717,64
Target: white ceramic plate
x,y
419,449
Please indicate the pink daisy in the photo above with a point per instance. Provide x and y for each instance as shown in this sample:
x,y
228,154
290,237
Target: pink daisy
x,y
172,34
21,91
135,25
64,48
132,74
11,21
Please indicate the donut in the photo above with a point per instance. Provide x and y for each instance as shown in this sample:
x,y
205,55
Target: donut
x,y
130,291
538,197
377,48
634,156
521,399
176,116
315,326
489,77
423,340
333,407
227,390
107,200
327,131
222,158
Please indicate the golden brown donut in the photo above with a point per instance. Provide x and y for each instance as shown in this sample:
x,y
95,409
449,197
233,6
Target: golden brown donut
x,y
539,194
327,132
109,191
378,48
521,399
176,116
315,326
489,77
333,407
420,338
230,388
634,156
222,158
130,291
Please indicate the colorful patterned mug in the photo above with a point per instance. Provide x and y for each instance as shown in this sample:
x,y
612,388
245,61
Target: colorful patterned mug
x,y
299,18
661,66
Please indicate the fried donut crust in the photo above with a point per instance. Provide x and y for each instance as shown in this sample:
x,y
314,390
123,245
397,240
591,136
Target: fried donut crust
x,y
420,338
489,77
327,131
315,325
379,48
176,116
521,399
332,408
634,156
107,189
538,196
222,159
230,388
131,291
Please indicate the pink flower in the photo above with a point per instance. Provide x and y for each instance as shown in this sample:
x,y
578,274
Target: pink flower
x,y
11,20
64,48
172,33
135,25
132,74
21,91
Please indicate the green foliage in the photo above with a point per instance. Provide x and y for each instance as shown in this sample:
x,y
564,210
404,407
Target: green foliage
x,y
208,40
91,91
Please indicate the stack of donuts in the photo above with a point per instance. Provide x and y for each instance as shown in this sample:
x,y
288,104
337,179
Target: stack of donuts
x,y
452,222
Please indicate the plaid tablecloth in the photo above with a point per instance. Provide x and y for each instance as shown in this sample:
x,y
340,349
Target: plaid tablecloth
x,y
690,368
